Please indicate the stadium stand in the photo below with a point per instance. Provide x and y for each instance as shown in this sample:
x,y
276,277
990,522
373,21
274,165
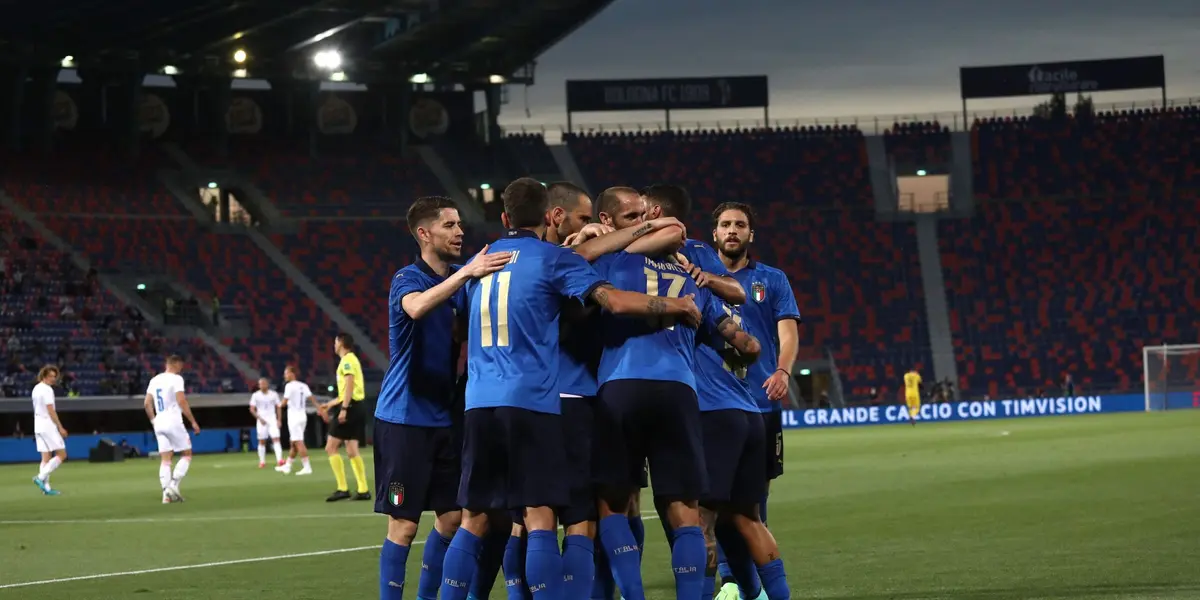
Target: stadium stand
x,y
53,313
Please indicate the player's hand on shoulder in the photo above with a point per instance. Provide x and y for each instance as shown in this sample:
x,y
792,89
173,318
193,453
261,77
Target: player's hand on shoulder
x,y
485,264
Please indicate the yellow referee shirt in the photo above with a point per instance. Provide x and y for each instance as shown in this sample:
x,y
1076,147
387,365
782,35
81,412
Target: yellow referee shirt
x,y
351,366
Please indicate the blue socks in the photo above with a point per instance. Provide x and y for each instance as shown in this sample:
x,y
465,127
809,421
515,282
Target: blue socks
x,y
514,569
579,566
723,564
638,527
624,560
603,584
774,580
740,565
490,558
392,561
708,587
431,565
544,565
688,559
460,565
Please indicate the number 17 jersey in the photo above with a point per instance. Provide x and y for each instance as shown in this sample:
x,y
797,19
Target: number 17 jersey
x,y
513,336
654,348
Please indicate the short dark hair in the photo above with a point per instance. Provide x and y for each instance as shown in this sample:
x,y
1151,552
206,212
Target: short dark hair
x,y
674,199
742,206
45,372
174,359
293,369
346,339
426,208
526,202
610,199
564,194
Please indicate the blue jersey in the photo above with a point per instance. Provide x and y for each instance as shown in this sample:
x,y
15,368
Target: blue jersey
x,y
769,299
513,343
719,385
702,255
418,387
579,341
641,348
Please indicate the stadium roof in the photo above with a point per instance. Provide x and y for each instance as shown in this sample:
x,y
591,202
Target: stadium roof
x,y
379,40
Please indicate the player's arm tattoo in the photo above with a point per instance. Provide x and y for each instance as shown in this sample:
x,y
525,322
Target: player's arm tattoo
x,y
611,242
643,229
746,345
709,518
620,302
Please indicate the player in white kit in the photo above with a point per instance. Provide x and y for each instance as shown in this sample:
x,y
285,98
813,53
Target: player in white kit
x,y
296,397
166,406
264,405
47,429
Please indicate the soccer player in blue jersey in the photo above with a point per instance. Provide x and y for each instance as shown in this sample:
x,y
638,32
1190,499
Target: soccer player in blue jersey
x,y
664,200
417,450
648,405
513,433
771,315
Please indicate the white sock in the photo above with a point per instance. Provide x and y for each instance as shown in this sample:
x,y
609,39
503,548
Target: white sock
x,y
164,473
262,452
288,462
48,468
278,450
181,469
306,464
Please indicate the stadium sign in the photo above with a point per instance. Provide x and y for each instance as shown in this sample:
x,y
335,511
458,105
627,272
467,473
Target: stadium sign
x,y
1063,77
978,410
667,94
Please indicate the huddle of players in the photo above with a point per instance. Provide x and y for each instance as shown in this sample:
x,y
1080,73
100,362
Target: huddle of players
x,y
579,375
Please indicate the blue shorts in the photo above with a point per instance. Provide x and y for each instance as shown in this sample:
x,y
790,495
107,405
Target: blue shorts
x,y
416,469
773,424
734,444
512,458
650,420
578,420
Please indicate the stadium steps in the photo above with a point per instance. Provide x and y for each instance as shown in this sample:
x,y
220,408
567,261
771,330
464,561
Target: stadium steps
x,y
81,262
962,177
937,312
467,207
883,176
372,352
568,167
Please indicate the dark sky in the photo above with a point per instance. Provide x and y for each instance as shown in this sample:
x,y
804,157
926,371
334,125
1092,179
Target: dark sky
x,y
856,57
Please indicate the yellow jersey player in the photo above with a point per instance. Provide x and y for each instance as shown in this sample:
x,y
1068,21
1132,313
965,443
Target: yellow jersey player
x,y
347,423
912,394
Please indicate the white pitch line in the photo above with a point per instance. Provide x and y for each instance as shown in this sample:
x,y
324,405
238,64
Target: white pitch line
x,y
223,563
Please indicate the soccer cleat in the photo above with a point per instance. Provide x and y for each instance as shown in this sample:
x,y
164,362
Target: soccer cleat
x,y
41,485
280,463
363,496
165,498
729,591
338,495
52,492
285,469
262,465
305,471
173,493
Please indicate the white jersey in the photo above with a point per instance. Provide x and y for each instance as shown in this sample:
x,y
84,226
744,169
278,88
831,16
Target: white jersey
x,y
297,394
265,402
163,390
43,399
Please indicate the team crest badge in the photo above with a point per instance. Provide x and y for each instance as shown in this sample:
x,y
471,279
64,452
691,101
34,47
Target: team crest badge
x,y
396,494
759,291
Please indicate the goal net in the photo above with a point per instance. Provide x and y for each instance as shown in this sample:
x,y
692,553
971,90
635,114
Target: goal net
x,y
1172,376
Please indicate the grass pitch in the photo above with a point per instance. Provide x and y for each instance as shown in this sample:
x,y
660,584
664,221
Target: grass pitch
x,y
1067,507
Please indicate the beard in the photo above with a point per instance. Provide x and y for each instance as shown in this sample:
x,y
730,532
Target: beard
x,y
736,253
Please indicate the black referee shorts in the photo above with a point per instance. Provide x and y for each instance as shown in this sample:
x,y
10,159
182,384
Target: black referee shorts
x,y
355,427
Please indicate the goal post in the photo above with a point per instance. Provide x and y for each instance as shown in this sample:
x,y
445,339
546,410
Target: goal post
x,y
1171,375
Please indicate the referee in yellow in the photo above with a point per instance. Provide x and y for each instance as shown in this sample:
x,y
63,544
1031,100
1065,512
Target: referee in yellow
x,y
347,423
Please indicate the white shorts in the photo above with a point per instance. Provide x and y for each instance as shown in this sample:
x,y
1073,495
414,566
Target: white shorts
x,y
297,423
270,431
172,438
49,441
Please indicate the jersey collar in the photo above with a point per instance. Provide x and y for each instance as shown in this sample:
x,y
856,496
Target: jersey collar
x,y
515,233
425,268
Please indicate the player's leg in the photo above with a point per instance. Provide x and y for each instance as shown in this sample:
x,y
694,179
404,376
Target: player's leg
x,y
54,452
482,486
721,431
773,450
914,409
261,432
676,453
514,562
276,446
403,486
441,454
619,457
491,558
742,512
578,516
537,481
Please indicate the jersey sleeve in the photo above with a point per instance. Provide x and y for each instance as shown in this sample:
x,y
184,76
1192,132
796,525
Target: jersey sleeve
x,y
573,277
403,284
783,299
603,264
179,383
251,399
714,311
346,368
702,255
46,396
